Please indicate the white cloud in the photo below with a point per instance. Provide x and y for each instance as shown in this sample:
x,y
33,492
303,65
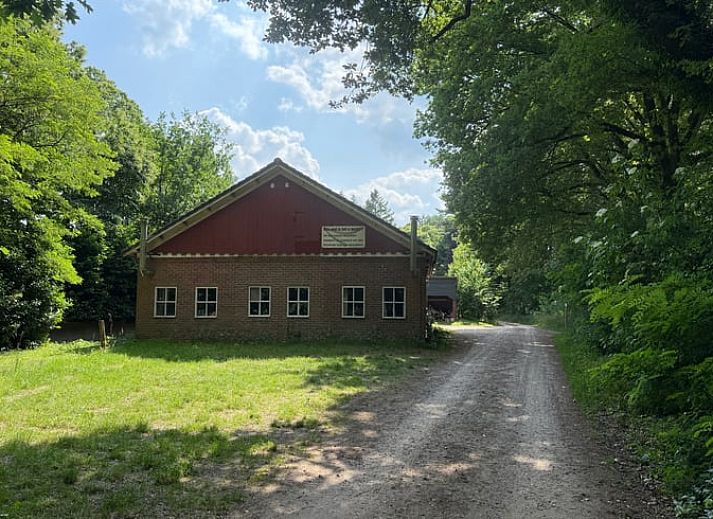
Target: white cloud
x,y
167,25
247,31
408,192
255,147
317,78
288,105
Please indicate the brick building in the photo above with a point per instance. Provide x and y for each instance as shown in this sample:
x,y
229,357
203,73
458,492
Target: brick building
x,y
278,255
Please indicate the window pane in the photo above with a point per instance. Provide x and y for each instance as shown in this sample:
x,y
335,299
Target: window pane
x,y
359,309
349,309
200,310
160,294
265,294
170,294
399,294
170,309
388,294
254,308
212,309
292,309
347,294
212,294
388,310
399,309
264,308
292,294
358,294
200,294
304,294
160,308
304,309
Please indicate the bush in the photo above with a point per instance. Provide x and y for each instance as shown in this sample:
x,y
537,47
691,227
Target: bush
x,y
32,301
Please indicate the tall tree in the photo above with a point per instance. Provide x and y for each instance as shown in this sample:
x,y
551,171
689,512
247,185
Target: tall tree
x,y
478,293
378,206
192,165
49,158
108,278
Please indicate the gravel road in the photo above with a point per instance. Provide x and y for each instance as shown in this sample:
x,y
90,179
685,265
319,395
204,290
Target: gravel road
x,y
490,432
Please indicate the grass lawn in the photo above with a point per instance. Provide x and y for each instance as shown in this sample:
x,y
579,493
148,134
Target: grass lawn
x,y
159,428
461,323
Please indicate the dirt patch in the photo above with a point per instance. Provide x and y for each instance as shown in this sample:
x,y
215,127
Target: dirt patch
x,y
490,432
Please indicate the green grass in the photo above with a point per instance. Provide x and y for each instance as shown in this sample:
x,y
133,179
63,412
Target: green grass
x,y
577,361
158,428
462,323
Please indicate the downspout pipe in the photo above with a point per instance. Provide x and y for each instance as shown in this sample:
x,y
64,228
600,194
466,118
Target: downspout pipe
x,y
414,242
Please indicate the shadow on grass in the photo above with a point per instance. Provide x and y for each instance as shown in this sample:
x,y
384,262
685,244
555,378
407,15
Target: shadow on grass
x,y
130,472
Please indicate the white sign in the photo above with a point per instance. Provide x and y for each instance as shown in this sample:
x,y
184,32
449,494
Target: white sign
x,y
343,237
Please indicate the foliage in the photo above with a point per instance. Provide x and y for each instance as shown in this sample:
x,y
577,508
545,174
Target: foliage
x,y
139,429
378,206
108,278
439,232
699,503
192,165
478,294
42,11
49,159
676,314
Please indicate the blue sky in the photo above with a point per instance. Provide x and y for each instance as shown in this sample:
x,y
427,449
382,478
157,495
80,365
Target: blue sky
x,y
273,100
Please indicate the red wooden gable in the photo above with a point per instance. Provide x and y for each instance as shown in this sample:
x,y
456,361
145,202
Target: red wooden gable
x,y
279,217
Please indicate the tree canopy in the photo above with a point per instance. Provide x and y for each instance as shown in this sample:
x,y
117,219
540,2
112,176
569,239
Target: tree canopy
x,y
49,159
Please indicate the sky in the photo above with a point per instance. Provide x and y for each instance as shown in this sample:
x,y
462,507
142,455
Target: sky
x,y
273,100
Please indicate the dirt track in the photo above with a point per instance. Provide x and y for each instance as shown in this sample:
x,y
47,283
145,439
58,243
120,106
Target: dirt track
x,y
490,432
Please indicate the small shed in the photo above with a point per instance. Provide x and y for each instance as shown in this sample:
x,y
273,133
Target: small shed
x,y
442,295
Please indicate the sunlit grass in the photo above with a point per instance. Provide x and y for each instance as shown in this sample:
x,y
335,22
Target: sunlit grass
x,y
165,428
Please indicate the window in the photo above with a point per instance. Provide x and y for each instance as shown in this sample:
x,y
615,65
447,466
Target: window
x,y
353,302
298,302
165,302
259,304
206,302
394,303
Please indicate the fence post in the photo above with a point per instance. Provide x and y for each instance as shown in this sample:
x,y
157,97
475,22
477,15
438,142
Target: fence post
x,y
102,333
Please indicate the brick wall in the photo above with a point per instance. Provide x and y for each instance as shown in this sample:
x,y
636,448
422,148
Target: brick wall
x,y
324,275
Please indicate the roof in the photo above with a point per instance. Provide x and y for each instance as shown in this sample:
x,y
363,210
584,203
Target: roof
x,y
440,286
249,184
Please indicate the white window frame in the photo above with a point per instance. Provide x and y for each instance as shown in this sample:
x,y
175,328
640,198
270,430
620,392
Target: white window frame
x,y
393,302
156,301
363,302
260,301
298,301
206,302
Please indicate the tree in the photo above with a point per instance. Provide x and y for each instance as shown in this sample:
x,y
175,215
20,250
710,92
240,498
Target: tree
x,y
43,11
438,231
478,294
49,158
378,206
108,277
192,165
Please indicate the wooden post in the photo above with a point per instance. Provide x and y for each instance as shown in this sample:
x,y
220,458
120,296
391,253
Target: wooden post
x,y
102,333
